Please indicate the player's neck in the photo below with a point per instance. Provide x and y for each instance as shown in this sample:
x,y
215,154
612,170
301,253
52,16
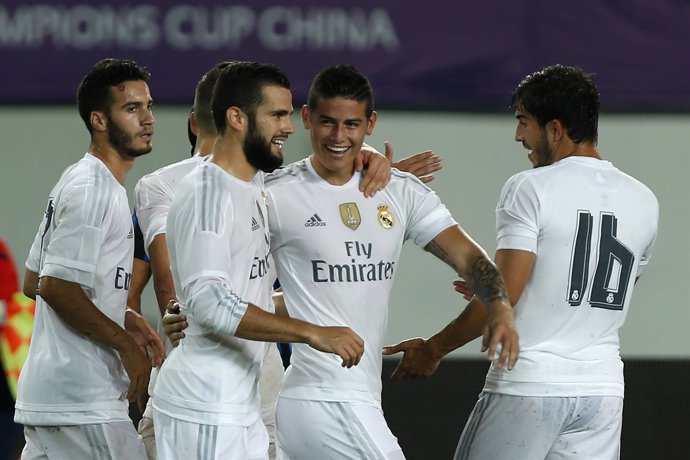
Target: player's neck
x,y
230,157
571,149
118,163
333,177
204,145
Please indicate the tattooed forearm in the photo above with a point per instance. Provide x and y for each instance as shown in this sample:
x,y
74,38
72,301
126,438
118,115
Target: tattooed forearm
x,y
439,252
486,281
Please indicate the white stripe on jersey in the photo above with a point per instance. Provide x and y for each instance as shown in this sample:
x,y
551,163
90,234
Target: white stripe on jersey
x,y
210,201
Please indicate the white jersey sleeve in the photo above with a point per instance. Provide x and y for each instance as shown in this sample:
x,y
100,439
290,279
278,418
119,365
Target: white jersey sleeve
x,y
79,225
152,198
153,195
517,215
427,216
202,226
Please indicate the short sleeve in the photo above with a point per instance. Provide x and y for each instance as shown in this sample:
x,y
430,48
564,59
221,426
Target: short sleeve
x,y
201,234
78,228
428,216
517,215
152,199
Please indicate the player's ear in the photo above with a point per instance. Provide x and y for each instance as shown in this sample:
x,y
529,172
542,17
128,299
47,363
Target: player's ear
x,y
192,124
306,113
236,118
557,129
371,122
99,121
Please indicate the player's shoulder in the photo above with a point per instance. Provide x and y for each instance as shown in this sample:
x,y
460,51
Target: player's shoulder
x,y
403,177
293,172
404,183
92,174
637,184
168,174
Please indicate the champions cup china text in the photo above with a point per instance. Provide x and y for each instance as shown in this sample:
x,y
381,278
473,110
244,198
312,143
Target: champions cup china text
x,y
356,270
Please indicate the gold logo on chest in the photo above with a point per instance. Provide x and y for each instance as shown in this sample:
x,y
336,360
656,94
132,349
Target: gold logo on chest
x,y
349,213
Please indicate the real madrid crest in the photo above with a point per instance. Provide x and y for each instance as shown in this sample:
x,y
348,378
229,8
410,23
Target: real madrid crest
x,y
385,217
349,213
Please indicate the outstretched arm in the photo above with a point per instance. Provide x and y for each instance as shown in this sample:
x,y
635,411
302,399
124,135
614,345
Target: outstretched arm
x,y
217,308
490,313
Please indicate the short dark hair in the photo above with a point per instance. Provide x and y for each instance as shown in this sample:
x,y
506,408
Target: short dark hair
x,y
94,92
341,80
241,85
203,95
563,93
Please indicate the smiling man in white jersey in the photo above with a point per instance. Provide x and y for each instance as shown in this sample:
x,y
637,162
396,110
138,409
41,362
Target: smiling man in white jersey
x,y
206,402
336,254
153,195
574,235
73,389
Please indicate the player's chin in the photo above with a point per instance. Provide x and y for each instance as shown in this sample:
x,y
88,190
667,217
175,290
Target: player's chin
x,y
135,153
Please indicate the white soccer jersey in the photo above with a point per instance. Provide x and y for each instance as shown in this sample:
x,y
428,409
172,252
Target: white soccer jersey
x,y
218,245
86,237
337,253
153,195
592,228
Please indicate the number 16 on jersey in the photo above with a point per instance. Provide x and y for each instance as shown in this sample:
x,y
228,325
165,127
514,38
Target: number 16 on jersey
x,y
613,267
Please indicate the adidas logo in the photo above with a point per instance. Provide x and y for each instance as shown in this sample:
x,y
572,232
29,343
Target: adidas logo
x,y
255,224
130,235
314,221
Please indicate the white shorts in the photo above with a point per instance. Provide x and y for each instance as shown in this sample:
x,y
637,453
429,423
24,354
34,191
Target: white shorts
x,y
104,441
181,440
317,430
505,427
270,379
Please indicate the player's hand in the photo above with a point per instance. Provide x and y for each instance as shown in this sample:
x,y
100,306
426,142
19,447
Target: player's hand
x,y
150,345
419,360
500,328
463,288
339,340
422,165
174,323
138,368
378,166
145,336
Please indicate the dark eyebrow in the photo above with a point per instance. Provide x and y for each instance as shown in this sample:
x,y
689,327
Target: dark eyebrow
x,y
137,103
349,120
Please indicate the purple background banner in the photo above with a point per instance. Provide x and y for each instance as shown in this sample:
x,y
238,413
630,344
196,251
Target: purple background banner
x,y
445,55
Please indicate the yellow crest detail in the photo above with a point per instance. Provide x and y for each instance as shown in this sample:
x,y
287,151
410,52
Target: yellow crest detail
x,y
349,213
